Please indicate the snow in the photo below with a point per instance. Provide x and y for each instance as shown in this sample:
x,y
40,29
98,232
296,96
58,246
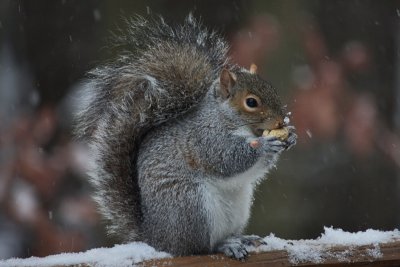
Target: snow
x,y
309,133
317,250
119,255
299,251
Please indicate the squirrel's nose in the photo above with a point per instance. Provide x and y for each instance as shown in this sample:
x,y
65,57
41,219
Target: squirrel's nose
x,y
279,123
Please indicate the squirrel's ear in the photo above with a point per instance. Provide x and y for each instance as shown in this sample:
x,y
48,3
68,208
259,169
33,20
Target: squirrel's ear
x,y
253,68
226,80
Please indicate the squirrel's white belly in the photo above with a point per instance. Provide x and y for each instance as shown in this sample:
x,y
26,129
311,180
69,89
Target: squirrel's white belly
x,y
227,202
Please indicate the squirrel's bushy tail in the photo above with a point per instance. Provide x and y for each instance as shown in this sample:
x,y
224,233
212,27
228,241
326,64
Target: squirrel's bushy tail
x,y
161,73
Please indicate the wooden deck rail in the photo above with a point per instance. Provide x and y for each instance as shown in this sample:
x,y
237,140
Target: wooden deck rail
x,y
359,256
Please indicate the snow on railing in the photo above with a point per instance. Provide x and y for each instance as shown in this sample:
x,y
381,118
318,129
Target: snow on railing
x,y
334,247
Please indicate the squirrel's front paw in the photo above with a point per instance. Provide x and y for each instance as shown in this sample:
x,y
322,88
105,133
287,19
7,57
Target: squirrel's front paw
x,y
271,144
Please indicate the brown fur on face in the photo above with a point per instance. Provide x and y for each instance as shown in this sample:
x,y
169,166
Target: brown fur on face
x,y
268,114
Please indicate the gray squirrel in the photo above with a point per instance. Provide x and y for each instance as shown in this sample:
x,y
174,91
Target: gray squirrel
x,y
175,134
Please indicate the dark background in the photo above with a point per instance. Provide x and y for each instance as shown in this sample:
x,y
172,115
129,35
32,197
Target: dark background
x,y
335,64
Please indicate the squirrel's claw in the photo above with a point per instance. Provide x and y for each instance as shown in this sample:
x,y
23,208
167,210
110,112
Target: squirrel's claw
x,y
252,240
291,141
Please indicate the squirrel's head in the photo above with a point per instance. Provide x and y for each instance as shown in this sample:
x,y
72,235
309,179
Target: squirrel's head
x,y
252,98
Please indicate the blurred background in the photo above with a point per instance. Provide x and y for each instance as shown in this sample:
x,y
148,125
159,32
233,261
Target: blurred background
x,y
335,63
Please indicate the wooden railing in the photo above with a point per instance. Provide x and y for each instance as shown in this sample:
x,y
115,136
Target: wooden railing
x,y
389,256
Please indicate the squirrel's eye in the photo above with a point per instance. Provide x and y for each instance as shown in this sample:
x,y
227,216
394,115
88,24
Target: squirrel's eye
x,y
251,102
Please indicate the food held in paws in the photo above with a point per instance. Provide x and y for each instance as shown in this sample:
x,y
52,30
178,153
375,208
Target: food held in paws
x,y
282,133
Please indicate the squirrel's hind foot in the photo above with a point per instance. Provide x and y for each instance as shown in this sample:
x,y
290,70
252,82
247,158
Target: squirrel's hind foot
x,y
235,247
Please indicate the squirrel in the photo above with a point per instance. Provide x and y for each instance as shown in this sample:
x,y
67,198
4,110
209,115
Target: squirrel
x,y
174,130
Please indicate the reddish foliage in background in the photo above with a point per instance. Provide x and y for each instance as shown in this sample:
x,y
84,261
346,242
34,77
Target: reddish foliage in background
x,y
32,181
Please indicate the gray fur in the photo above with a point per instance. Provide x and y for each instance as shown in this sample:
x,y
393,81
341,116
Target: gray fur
x,y
177,160
168,165
126,98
